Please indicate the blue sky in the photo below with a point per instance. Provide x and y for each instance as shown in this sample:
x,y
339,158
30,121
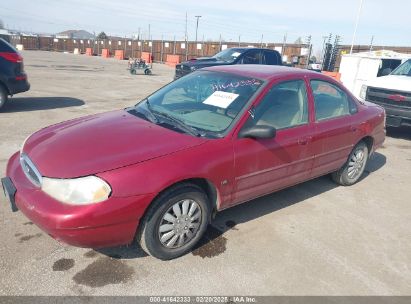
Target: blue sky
x,y
387,21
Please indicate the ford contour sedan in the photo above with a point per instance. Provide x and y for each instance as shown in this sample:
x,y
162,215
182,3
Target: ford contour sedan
x,y
157,172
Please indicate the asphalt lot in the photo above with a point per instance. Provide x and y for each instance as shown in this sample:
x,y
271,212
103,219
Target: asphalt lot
x,y
311,239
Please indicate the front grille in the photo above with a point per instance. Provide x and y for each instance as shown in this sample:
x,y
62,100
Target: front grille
x,y
30,170
389,97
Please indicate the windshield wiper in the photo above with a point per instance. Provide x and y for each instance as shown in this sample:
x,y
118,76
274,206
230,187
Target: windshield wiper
x,y
178,123
148,110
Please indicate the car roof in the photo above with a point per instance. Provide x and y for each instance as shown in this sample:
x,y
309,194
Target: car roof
x,y
263,72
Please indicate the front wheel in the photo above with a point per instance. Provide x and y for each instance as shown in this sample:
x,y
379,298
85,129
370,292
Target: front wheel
x,y
175,222
353,169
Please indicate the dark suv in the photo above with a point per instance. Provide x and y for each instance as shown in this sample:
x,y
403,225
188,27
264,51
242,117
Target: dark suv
x,y
230,56
13,79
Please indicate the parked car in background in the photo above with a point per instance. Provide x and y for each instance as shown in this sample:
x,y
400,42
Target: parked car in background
x,y
13,79
393,92
159,170
229,57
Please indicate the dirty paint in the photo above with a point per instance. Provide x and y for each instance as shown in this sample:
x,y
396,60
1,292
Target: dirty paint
x,y
18,234
28,223
90,254
63,264
104,271
212,244
29,237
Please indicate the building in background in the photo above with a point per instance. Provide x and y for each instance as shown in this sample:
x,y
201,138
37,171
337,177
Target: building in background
x,y
75,34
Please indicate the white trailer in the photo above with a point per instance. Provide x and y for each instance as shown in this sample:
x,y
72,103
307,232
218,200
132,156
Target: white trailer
x,y
356,69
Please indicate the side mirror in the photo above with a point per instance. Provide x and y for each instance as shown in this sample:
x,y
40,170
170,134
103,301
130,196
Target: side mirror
x,y
386,72
262,132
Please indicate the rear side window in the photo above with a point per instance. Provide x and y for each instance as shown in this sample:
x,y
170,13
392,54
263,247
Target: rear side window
x,y
271,58
6,47
330,101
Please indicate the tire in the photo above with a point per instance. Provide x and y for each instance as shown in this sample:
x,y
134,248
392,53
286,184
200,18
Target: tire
x,y
351,172
133,72
160,243
3,96
147,71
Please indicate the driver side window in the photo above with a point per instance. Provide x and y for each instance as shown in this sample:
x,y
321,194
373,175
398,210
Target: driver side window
x,y
251,57
284,106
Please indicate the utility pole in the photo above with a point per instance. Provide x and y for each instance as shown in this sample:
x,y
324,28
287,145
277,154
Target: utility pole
x,y
309,51
371,43
198,17
284,43
239,40
262,37
186,39
356,25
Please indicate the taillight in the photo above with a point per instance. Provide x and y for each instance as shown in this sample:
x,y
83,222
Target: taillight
x,y
12,57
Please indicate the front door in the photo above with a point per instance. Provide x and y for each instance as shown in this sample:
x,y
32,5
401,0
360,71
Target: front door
x,y
263,166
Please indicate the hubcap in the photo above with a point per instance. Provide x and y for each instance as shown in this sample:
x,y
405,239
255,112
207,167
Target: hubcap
x,y
180,224
356,164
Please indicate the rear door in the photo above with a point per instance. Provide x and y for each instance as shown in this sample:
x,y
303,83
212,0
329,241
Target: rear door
x,y
336,127
265,165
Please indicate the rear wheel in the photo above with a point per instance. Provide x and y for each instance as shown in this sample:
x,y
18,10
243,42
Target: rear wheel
x,y
3,96
353,169
175,222
147,71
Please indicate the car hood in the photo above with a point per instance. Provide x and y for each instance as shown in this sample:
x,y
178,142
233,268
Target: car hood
x,y
392,82
204,62
101,142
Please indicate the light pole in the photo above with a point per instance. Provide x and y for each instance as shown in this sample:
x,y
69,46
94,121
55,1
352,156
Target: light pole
x,y
198,17
356,25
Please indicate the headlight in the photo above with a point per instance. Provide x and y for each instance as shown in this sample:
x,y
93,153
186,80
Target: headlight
x,y
193,68
363,92
77,191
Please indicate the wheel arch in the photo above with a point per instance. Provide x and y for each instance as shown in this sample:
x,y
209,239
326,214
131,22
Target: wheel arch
x,y
2,84
204,184
369,141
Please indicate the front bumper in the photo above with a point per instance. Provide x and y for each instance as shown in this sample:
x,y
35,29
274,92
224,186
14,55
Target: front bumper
x,y
396,116
110,223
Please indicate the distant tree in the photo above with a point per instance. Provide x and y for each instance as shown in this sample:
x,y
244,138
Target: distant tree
x,y
313,59
102,35
299,41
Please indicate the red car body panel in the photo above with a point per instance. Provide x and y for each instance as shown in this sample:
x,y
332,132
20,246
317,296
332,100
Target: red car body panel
x,y
140,160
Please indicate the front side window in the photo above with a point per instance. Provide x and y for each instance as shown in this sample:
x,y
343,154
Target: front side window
x,y
329,100
284,106
252,57
404,69
204,100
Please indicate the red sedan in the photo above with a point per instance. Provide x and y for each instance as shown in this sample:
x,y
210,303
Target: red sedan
x,y
157,171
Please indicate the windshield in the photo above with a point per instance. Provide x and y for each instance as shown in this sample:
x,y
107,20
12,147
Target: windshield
x,y
228,55
204,100
404,69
